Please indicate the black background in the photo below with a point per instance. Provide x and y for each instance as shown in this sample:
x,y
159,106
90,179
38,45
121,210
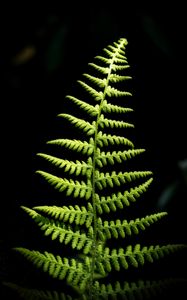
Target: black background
x,y
42,53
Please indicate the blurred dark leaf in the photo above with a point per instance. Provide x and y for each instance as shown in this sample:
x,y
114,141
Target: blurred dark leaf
x,y
157,35
55,50
25,55
183,168
167,195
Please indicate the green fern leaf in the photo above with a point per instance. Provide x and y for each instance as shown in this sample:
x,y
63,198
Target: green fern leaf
x,y
119,67
114,78
55,266
135,290
69,166
110,108
92,177
112,92
110,179
120,60
98,81
120,228
104,59
76,145
115,48
104,158
87,127
61,231
77,214
111,60
104,122
90,109
105,204
135,257
108,52
100,69
76,187
98,96
35,294
104,139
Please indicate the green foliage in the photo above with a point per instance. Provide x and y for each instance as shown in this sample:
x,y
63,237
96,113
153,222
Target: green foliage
x,y
88,225
35,294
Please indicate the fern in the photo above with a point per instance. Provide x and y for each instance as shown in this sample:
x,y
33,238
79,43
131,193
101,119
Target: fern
x,y
99,190
127,291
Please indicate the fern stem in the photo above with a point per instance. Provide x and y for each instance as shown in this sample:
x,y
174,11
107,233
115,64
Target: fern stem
x,y
95,153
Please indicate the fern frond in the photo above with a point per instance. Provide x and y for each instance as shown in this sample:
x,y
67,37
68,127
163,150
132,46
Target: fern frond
x,y
147,289
104,59
36,294
110,108
90,109
76,145
98,96
105,204
76,168
76,188
104,180
86,126
118,48
135,290
75,272
77,214
134,257
104,139
112,92
114,78
103,158
90,177
122,56
111,60
100,69
108,52
116,67
118,228
120,60
64,234
98,81
104,122
115,53
115,49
